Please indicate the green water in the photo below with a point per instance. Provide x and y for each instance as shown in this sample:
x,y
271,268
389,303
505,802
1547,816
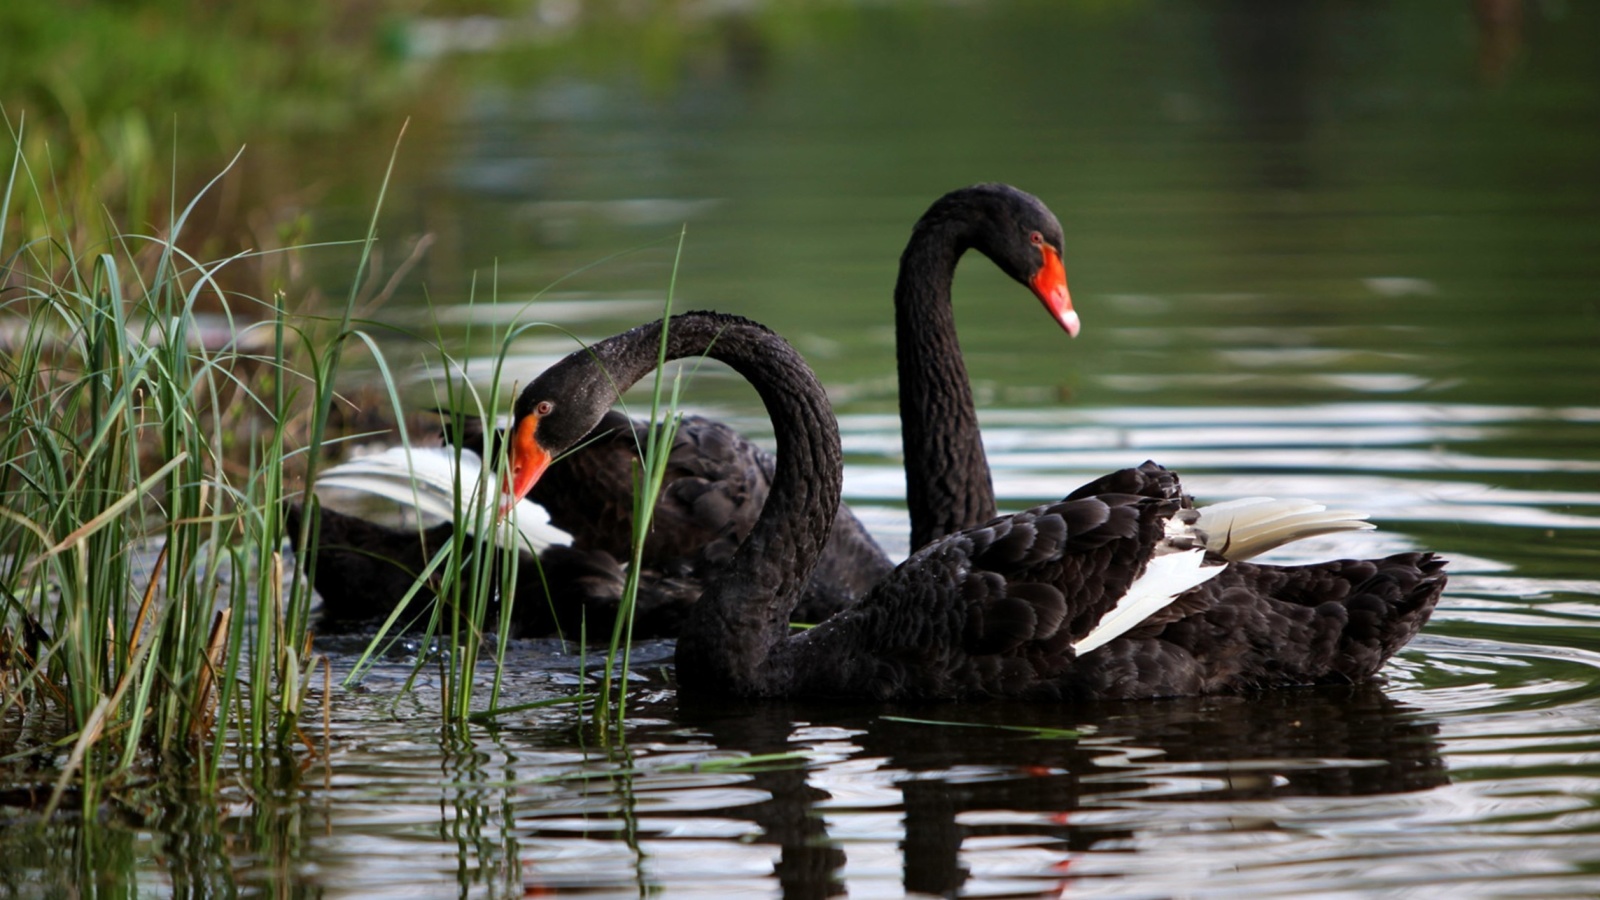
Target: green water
x,y
1346,251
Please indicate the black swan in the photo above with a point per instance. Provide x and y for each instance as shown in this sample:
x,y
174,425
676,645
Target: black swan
x,y
718,481
1106,594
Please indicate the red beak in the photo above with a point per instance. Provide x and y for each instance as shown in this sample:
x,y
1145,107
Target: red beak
x,y
1050,286
528,462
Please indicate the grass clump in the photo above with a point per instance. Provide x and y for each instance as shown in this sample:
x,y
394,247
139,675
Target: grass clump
x,y
154,423
146,449
474,581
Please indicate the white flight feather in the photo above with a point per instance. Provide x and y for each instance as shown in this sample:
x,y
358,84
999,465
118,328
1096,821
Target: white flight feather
x,y
425,478
1249,526
1165,578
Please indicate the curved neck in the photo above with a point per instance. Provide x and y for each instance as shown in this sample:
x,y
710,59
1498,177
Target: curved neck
x,y
947,474
745,611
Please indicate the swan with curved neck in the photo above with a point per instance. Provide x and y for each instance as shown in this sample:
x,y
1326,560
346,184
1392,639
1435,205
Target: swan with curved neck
x,y
1109,593
947,474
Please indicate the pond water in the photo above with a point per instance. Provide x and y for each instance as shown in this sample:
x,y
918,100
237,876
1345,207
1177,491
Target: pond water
x,y
1346,252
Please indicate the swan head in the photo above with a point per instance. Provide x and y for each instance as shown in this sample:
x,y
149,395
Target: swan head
x,y
528,457
1049,284
554,412
1021,235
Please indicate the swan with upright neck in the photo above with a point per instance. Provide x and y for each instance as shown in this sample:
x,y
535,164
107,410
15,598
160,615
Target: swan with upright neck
x,y
1107,594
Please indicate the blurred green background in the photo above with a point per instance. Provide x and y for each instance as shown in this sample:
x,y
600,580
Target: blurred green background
x,y
1378,181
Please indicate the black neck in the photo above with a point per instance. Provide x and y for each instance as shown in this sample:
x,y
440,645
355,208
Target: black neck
x,y
947,475
745,612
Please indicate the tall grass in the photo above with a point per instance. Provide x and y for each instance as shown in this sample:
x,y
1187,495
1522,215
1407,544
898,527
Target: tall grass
x,y
144,457
647,490
472,578
475,584
154,425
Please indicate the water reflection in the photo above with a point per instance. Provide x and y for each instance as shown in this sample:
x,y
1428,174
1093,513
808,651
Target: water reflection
x,y
960,802
173,837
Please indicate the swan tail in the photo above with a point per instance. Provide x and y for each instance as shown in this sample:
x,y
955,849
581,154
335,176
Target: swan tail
x,y
1240,529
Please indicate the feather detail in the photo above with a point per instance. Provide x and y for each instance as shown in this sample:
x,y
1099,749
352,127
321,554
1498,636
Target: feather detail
x,y
1239,529
1164,579
425,479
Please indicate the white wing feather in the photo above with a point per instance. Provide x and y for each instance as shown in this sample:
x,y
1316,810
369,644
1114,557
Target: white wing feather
x,y
1235,530
425,479
1249,526
1165,578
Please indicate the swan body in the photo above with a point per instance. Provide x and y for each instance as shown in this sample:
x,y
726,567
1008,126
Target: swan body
x,y
1109,593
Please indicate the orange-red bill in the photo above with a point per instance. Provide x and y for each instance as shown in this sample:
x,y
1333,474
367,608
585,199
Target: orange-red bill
x,y
528,462
1050,286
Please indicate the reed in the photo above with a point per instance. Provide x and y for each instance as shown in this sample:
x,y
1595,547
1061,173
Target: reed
x,y
474,576
145,611
648,479
475,583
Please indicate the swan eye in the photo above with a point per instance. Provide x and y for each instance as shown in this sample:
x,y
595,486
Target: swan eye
x,y
1037,239
544,407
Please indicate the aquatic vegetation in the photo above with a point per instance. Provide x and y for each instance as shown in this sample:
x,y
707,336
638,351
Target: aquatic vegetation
x,y
157,427
146,451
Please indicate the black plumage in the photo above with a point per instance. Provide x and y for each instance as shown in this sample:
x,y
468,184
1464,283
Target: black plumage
x,y
994,610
